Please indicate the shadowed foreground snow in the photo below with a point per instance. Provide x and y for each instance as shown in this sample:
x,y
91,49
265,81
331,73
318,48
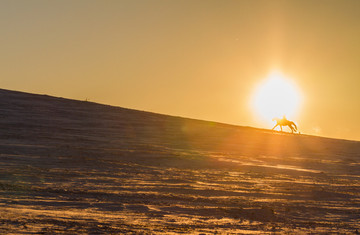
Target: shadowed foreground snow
x,y
79,167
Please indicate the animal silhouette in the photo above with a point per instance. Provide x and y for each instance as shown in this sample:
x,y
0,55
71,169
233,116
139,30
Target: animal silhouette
x,y
284,122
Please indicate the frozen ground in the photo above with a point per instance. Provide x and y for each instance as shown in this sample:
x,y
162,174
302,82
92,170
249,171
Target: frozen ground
x,y
77,167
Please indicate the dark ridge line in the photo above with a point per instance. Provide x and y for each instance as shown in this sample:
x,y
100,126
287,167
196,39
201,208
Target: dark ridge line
x,y
221,124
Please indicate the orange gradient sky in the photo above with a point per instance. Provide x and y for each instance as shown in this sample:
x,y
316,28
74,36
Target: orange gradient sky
x,y
194,58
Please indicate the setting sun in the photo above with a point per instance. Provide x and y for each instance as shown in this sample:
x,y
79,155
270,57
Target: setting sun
x,y
275,97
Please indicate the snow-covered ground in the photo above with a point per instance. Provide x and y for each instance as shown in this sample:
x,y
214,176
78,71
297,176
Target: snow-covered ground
x,y
79,167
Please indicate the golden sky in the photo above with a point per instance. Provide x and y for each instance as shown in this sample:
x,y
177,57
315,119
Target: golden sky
x,y
193,58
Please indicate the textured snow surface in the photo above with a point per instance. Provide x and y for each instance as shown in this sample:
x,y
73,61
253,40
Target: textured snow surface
x,y
78,167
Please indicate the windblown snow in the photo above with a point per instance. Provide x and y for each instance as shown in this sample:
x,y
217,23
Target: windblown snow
x,y
72,166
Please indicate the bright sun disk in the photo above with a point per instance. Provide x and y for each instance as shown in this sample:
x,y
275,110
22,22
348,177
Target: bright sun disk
x,y
276,97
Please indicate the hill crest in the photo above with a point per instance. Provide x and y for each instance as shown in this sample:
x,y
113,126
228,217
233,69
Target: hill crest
x,y
106,169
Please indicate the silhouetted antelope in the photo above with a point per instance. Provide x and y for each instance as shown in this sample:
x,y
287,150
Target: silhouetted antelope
x,y
284,122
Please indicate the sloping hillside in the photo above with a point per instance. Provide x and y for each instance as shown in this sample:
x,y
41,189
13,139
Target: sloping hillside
x,y
80,167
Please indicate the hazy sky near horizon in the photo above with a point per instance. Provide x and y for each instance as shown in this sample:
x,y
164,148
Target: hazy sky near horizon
x,y
193,58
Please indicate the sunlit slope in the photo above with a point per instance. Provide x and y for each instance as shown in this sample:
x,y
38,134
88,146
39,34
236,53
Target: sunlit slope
x,y
43,120
80,167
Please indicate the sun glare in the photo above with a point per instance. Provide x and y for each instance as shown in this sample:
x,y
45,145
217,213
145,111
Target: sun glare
x,y
275,97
